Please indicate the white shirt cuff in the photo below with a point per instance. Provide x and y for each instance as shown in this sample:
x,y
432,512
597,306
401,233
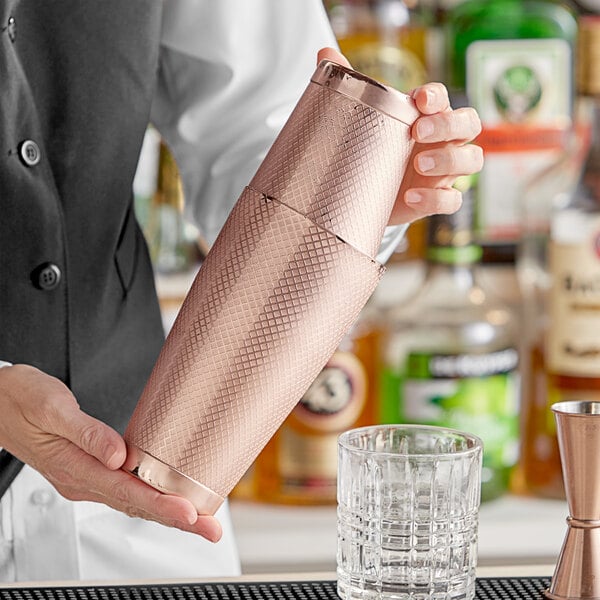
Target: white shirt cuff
x,y
391,238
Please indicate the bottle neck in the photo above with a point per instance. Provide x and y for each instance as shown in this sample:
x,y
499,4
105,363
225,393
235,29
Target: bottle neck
x,y
169,189
458,273
588,192
594,149
450,244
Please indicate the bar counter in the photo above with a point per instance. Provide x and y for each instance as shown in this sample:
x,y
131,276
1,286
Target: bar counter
x,y
505,571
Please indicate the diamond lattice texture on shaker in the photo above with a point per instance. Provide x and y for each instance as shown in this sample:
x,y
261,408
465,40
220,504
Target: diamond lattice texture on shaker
x,y
286,278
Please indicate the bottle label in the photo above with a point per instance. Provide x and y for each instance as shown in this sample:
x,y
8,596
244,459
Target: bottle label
x,y
477,393
522,90
307,462
308,439
573,340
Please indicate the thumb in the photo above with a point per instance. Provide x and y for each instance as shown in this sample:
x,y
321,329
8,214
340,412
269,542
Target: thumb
x,y
93,436
333,55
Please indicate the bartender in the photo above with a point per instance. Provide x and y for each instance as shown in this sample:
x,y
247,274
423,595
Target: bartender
x,y
80,327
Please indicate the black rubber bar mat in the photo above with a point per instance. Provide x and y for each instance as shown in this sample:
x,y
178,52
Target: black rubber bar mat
x,y
488,588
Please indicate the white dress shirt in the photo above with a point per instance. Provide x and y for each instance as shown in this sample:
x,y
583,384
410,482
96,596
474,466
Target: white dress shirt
x,y
44,537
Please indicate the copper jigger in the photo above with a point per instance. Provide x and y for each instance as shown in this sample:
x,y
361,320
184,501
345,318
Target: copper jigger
x,y
577,573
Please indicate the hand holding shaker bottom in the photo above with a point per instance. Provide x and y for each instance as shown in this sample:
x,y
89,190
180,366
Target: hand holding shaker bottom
x,y
288,275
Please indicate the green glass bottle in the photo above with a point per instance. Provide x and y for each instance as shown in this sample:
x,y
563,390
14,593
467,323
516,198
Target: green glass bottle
x,y
449,354
475,20
513,61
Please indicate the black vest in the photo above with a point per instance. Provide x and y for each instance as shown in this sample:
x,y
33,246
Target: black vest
x,y
77,295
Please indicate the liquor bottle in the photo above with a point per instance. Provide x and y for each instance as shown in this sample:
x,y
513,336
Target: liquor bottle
x,y
449,355
170,248
387,40
299,464
513,61
559,270
435,15
381,39
146,175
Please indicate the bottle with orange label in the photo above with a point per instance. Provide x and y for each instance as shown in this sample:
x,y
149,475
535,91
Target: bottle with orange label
x,y
299,464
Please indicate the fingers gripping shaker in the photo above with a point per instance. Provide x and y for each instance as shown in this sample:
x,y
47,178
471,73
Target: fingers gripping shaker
x,y
288,275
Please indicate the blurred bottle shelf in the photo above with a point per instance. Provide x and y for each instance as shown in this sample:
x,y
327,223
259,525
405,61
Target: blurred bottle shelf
x,y
513,530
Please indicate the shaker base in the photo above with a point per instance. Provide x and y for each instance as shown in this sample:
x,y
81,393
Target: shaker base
x,y
168,480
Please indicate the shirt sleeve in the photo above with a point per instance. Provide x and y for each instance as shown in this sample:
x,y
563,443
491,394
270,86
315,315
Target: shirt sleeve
x,y
230,73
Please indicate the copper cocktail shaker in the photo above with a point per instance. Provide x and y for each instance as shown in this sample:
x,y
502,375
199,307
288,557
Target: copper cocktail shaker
x,y
284,281
577,573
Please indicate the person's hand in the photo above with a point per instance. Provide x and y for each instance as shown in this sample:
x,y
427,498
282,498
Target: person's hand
x,y
81,457
441,152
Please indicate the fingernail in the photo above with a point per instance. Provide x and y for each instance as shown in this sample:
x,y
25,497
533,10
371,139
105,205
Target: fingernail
x,y
215,536
424,129
413,197
425,163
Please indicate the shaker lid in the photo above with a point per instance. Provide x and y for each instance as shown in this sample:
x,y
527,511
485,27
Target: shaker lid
x,y
366,90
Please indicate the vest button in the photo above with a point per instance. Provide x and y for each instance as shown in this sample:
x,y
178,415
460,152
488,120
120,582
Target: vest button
x,y
30,153
46,276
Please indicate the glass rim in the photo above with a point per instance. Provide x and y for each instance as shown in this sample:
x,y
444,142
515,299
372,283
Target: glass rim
x,y
476,441
574,408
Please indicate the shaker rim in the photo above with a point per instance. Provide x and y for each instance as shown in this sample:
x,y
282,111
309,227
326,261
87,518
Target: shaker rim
x,y
366,90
